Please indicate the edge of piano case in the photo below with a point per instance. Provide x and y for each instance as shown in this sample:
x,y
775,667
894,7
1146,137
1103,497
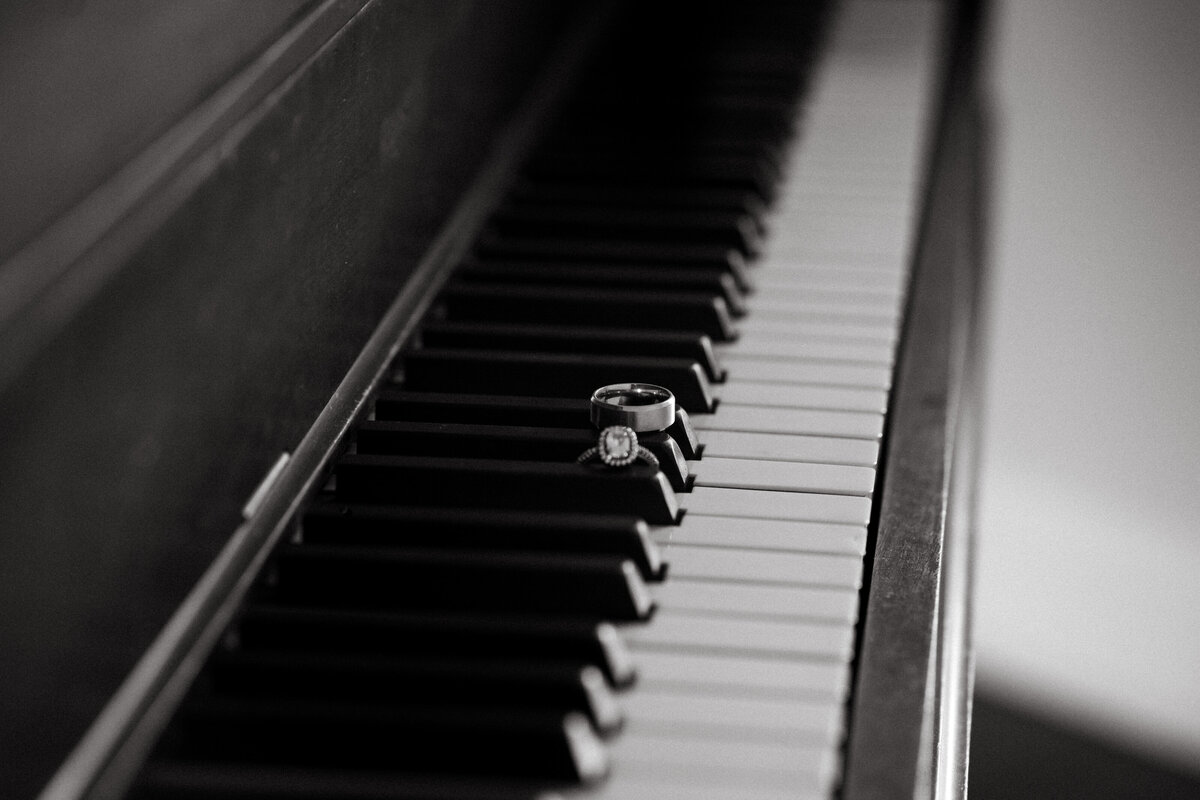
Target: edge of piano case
x,y
910,709
911,713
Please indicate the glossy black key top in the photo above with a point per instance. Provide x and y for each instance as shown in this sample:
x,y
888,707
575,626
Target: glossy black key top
x,y
312,733
552,374
716,171
181,780
558,412
685,435
590,307
435,636
537,193
699,280
607,251
397,403
418,683
515,443
643,224
636,490
447,580
566,339
663,145
455,528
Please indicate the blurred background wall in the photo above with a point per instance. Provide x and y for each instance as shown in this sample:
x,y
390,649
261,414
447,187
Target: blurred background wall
x,y
1089,564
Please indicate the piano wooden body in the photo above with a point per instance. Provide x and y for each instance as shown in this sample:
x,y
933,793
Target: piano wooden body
x,y
248,284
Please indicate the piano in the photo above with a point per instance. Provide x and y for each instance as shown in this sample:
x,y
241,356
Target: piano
x,y
292,408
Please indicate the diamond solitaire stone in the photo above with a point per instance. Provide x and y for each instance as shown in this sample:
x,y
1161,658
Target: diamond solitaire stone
x,y
618,446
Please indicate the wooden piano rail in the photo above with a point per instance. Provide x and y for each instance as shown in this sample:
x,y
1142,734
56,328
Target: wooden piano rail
x,y
911,710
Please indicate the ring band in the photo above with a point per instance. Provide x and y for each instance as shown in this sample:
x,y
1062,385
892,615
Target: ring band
x,y
618,447
643,407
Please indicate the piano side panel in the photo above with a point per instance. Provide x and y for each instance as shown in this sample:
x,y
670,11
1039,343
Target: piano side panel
x,y
234,300
86,86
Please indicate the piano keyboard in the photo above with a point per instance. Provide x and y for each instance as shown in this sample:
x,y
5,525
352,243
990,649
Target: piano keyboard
x,y
745,670
464,612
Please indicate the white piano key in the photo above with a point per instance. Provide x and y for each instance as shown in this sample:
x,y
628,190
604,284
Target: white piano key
x,y
740,675
709,597
799,205
783,476
853,311
814,720
817,166
729,767
732,564
865,296
702,596
674,631
768,534
797,288
860,233
829,169
893,263
646,779
830,329
846,192
781,275
766,393
712,500
807,421
879,270
828,373
816,171
790,447
677,748
802,348
785,281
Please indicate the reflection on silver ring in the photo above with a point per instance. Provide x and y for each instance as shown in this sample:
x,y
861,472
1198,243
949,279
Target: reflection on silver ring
x,y
642,407
618,447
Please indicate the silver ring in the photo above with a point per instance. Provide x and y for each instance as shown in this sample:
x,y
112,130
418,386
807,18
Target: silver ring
x,y
643,407
618,447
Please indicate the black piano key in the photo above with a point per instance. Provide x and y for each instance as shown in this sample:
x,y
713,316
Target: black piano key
x,y
684,435
566,339
745,173
698,96
420,406
761,119
590,307
644,224
662,145
180,780
447,580
636,490
751,160
516,443
433,636
552,374
557,412
453,528
528,193
312,733
607,251
699,280
418,683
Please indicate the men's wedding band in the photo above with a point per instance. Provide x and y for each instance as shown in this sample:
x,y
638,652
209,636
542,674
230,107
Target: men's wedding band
x,y
642,407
